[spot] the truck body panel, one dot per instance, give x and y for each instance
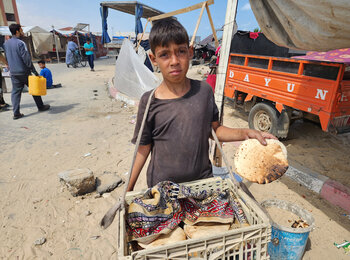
(310, 86)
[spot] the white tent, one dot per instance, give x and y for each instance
(4, 30)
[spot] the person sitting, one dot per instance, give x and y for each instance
(46, 73)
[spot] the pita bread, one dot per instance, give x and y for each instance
(259, 163)
(174, 236)
(202, 229)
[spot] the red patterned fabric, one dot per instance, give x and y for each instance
(165, 205)
(340, 55)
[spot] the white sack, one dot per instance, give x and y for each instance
(132, 77)
(312, 25)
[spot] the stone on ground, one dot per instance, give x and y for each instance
(78, 181)
(107, 182)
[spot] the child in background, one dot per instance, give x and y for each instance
(181, 115)
(46, 73)
(89, 51)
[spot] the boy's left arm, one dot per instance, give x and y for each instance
(226, 134)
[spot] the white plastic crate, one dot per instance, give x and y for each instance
(243, 243)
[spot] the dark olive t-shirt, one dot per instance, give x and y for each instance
(178, 131)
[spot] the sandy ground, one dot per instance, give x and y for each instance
(36, 148)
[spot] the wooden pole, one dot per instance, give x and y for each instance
(181, 11)
(212, 27)
(224, 56)
(54, 38)
(198, 22)
(78, 43)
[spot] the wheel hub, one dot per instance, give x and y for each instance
(262, 121)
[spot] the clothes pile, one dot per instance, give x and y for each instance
(170, 212)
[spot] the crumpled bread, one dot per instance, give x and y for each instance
(204, 229)
(176, 235)
(262, 164)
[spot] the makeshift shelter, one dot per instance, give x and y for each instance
(307, 25)
(131, 7)
(80, 38)
(39, 41)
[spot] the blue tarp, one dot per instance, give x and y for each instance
(104, 13)
(138, 15)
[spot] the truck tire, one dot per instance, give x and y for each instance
(263, 117)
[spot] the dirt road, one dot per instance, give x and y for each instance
(83, 119)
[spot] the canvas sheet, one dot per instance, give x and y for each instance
(310, 25)
(43, 42)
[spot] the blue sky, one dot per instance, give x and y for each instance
(64, 13)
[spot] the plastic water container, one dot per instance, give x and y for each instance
(288, 243)
(37, 85)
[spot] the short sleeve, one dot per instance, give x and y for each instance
(212, 105)
(146, 137)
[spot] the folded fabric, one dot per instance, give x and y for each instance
(164, 206)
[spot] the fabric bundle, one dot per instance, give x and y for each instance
(163, 207)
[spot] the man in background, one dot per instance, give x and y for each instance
(21, 66)
(71, 48)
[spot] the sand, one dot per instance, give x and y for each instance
(37, 147)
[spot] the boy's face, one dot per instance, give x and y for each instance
(41, 65)
(173, 61)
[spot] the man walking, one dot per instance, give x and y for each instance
(21, 66)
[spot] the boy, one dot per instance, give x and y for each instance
(89, 51)
(181, 115)
(46, 73)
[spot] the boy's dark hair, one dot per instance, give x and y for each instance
(41, 61)
(88, 39)
(166, 31)
(14, 28)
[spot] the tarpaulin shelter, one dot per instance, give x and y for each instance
(305, 24)
(80, 37)
(135, 8)
(39, 41)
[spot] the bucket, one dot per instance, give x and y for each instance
(288, 243)
(37, 85)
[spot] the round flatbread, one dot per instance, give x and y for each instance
(202, 229)
(259, 163)
(176, 235)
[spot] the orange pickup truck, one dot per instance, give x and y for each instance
(277, 91)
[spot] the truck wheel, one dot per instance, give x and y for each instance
(263, 117)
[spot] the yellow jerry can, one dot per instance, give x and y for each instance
(37, 85)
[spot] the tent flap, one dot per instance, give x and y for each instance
(138, 15)
(305, 24)
(104, 13)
